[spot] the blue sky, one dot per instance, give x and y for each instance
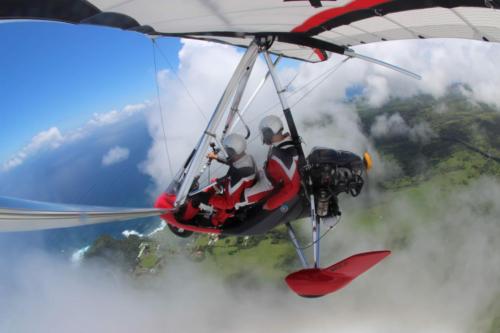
(55, 74)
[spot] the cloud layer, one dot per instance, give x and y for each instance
(49, 139)
(115, 155)
(441, 277)
(392, 126)
(440, 62)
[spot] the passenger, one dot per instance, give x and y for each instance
(281, 167)
(240, 176)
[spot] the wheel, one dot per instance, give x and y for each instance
(179, 232)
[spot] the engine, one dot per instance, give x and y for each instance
(334, 172)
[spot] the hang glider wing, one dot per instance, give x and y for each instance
(305, 29)
(26, 215)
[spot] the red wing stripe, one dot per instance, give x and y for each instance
(320, 53)
(331, 13)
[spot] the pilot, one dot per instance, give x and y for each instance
(240, 176)
(281, 167)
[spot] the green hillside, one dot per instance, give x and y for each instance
(463, 144)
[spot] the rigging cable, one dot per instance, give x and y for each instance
(161, 110)
(322, 76)
(472, 148)
(333, 70)
(198, 108)
(316, 241)
(297, 74)
(292, 80)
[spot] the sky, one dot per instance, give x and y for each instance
(58, 75)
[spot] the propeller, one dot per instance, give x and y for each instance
(367, 161)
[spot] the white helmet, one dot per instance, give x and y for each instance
(234, 144)
(270, 126)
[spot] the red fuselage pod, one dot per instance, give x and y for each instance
(167, 201)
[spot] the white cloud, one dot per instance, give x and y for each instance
(440, 62)
(133, 108)
(389, 126)
(12, 163)
(377, 90)
(394, 125)
(422, 133)
(107, 118)
(53, 138)
(438, 255)
(114, 116)
(115, 155)
(45, 140)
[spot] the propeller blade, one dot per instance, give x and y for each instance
(352, 54)
(367, 161)
(26, 215)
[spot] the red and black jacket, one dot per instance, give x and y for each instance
(240, 176)
(282, 169)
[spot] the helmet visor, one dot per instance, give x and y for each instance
(231, 153)
(267, 135)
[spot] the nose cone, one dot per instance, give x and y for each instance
(367, 160)
(165, 201)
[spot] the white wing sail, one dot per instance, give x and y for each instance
(338, 24)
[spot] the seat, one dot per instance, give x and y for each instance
(257, 192)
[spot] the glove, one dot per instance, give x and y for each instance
(212, 156)
(220, 181)
(219, 186)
